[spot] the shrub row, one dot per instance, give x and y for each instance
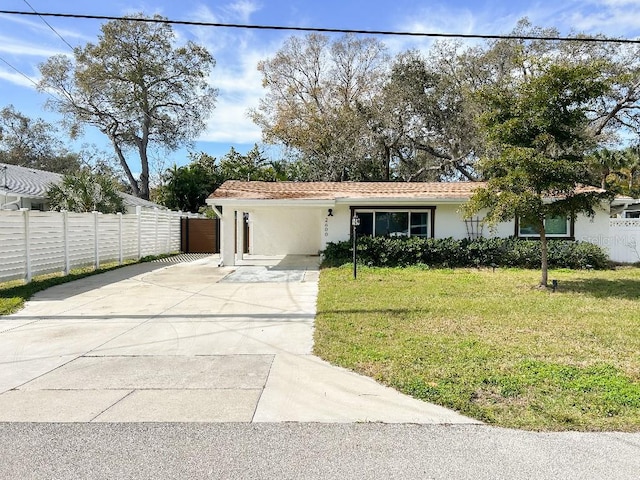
(448, 252)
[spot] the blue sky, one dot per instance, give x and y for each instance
(26, 42)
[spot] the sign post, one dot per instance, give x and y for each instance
(355, 221)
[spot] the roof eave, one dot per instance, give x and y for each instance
(306, 202)
(270, 202)
(375, 201)
(12, 193)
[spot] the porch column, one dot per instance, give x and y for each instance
(227, 240)
(240, 236)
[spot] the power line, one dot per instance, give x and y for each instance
(18, 71)
(48, 25)
(329, 30)
(28, 78)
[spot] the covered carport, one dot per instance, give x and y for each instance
(268, 227)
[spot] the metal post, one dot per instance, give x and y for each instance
(355, 221)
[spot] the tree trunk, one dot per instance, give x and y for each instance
(544, 279)
(125, 166)
(387, 163)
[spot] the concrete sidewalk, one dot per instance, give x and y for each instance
(190, 342)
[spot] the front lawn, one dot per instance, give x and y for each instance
(490, 344)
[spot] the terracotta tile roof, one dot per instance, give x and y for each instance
(241, 190)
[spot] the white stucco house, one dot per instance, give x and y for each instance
(284, 218)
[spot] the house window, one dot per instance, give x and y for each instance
(395, 223)
(560, 227)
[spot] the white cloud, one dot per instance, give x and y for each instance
(16, 79)
(38, 27)
(17, 47)
(240, 86)
(237, 54)
(243, 9)
(229, 123)
(611, 17)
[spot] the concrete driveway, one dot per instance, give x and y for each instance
(186, 342)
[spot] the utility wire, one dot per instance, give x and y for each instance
(328, 30)
(28, 78)
(18, 71)
(47, 24)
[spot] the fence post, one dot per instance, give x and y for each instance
(27, 245)
(65, 235)
(120, 256)
(156, 248)
(139, 215)
(169, 219)
(96, 243)
(179, 234)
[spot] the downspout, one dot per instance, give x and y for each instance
(17, 203)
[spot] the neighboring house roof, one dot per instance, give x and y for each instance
(241, 190)
(26, 182)
(133, 201)
(34, 183)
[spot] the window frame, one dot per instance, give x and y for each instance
(570, 235)
(430, 210)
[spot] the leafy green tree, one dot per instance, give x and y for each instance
(631, 170)
(186, 188)
(605, 164)
(85, 191)
(537, 168)
(252, 166)
(136, 88)
(33, 143)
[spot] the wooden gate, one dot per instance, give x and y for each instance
(199, 235)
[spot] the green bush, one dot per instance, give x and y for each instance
(449, 252)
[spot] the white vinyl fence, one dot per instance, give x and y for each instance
(623, 241)
(34, 243)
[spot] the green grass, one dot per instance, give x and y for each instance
(13, 294)
(490, 344)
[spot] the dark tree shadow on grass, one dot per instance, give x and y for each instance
(600, 288)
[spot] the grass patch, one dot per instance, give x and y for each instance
(13, 294)
(490, 344)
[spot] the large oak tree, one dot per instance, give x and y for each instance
(137, 88)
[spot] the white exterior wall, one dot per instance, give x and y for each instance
(16, 203)
(593, 230)
(306, 230)
(449, 222)
(336, 228)
(281, 230)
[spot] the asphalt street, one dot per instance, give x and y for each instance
(32, 451)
